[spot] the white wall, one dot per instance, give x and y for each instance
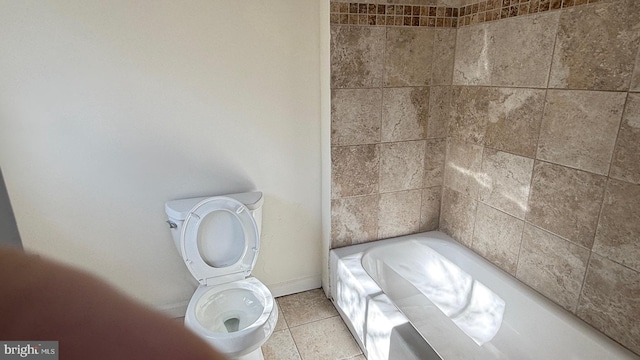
(110, 108)
(325, 131)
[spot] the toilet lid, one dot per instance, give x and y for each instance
(220, 241)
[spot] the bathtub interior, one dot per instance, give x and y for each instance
(531, 326)
(411, 270)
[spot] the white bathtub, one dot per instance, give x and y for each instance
(425, 296)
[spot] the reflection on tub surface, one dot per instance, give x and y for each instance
(470, 305)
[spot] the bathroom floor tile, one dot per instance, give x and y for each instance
(305, 307)
(282, 323)
(325, 339)
(280, 346)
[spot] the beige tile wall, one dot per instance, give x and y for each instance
(388, 115)
(523, 144)
(542, 174)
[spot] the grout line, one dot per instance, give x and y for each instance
(281, 311)
(315, 321)
(453, 65)
(601, 210)
(535, 154)
(295, 344)
(379, 144)
(553, 52)
(526, 212)
(615, 144)
(584, 280)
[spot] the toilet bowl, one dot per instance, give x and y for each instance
(219, 239)
(235, 318)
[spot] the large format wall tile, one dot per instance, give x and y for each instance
(497, 237)
(399, 213)
(408, 56)
(457, 216)
(566, 201)
(512, 52)
(610, 301)
(430, 209)
(443, 51)
(470, 113)
(401, 165)
(434, 162)
(440, 111)
(502, 118)
(355, 116)
(354, 170)
(579, 128)
(354, 220)
(405, 113)
(596, 46)
(514, 120)
(356, 56)
(508, 179)
(553, 266)
(618, 234)
(462, 168)
(625, 164)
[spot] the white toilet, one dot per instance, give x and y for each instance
(219, 238)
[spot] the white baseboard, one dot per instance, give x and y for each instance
(295, 286)
(280, 289)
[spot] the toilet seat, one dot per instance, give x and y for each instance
(232, 253)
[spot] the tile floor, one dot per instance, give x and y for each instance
(310, 328)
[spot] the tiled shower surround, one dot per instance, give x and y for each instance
(519, 137)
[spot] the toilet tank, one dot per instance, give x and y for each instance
(177, 210)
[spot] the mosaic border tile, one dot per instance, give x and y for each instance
(492, 10)
(393, 15)
(366, 14)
